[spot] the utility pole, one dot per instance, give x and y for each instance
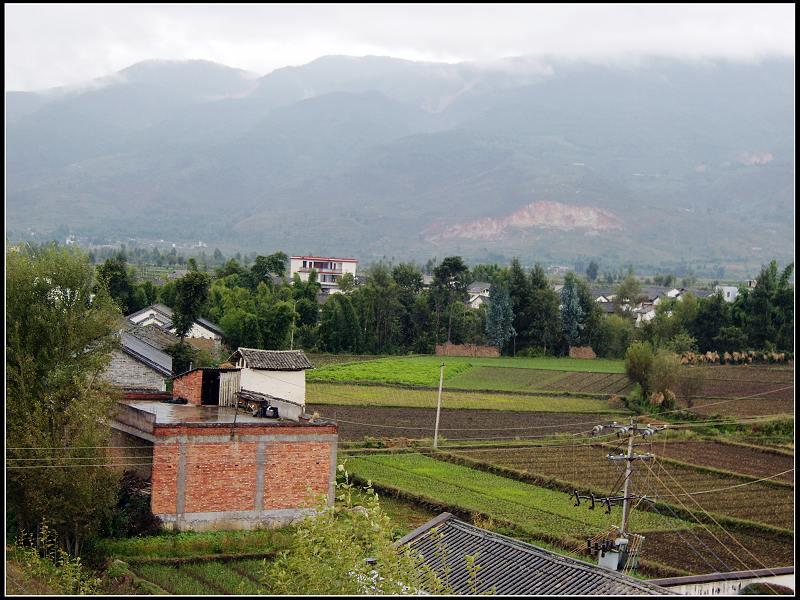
(619, 551)
(438, 408)
(628, 471)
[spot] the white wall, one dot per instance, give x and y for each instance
(290, 385)
(729, 587)
(198, 331)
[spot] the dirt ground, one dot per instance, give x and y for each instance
(355, 422)
(739, 459)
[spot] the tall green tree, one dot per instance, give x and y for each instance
(119, 282)
(59, 337)
(450, 280)
(542, 313)
(191, 297)
(639, 364)
(592, 270)
(500, 318)
(572, 315)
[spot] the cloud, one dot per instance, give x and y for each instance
(49, 45)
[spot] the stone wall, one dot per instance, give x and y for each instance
(267, 475)
(189, 386)
(473, 350)
(126, 372)
(582, 352)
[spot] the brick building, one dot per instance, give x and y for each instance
(213, 467)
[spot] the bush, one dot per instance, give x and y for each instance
(638, 364)
(132, 516)
(664, 373)
(682, 342)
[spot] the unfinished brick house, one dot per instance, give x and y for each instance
(213, 465)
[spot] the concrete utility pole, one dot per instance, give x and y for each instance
(628, 471)
(438, 408)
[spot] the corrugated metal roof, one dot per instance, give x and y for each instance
(273, 360)
(146, 354)
(508, 566)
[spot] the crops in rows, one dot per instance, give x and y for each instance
(373, 395)
(534, 509)
(754, 373)
(536, 380)
(205, 578)
(588, 468)
(709, 550)
(740, 459)
(742, 407)
(323, 360)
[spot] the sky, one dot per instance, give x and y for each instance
(49, 45)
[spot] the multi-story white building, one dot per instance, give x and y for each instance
(329, 270)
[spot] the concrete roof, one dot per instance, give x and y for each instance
(513, 567)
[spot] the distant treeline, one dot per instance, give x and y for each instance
(390, 311)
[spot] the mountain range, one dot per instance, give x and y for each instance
(662, 162)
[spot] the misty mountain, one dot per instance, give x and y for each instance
(376, 156)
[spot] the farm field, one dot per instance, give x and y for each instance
(204, 578)
(742, 407)
(729, 457)
(588, 468)
(711, 550)
(320, 360)
(539, 380)
(417, 423)
(424, 370)
(534, 509)
(373, 395)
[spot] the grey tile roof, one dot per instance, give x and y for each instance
(146, 354)
(273, 360)
(513, 567)
(153, 335)
(477, 286)
(209, 325)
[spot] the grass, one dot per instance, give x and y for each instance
(188, 544)
(174, 579)
(424, 370)
(225, 578)
(361, 395)
(535, 509)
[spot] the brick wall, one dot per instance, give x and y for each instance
(189, 386)
(125, 371)
(581, 352)
(474, 350)
(218, 474)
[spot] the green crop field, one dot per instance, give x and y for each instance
(372, 395)
(534, 509)
(424, 370)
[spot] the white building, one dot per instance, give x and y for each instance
(729, 292)
(161, 316)
(279, 374)
(328, 269)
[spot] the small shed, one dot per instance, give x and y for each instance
(277, 373)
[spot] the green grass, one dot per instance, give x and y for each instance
(371, 395)
(534, 509)
(187, 544)
(224, 577)
(424, 370)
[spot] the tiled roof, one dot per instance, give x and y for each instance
(153, 335)
(146, 354)
(508, 566)
(273, 360)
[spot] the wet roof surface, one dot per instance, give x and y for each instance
(167, 413)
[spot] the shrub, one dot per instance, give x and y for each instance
(638, 364)
(664, 373)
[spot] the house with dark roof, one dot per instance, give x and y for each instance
(509, 567)
(279, 374)
(138, 366)
(161, 316)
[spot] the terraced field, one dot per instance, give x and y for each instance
(588, 468)
(357, 422)
(535, 509)
(205, 578)
(537, 380)
(399, 397)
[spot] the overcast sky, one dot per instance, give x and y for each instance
(50, 45)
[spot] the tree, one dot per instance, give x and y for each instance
(572, 315)
(627, 292)
(541, 314)
(59, 337)
(638, 364)
(113, 273)
(500, 318)
(265, 266)
(614, 336)
(592, 270)
(664, 373)
(519, 291)
(347, 283)
(713, 313)
(191, 296)
(348, 549)
(450, 279)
